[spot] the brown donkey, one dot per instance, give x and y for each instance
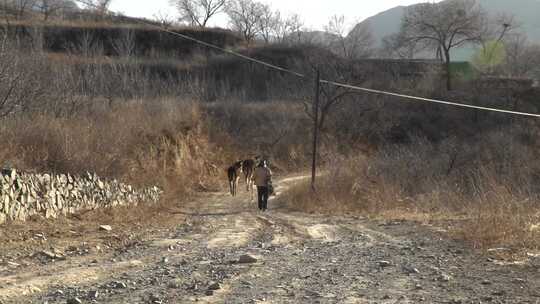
(248, 166)
(233, 173)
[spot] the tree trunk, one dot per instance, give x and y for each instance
(447, 68)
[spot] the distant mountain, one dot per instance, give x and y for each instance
(383, 24)
(525, 12)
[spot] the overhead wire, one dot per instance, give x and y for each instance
(436, 101)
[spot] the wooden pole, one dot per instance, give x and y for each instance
(315, 128)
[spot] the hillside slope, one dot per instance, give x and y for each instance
(383, 24)
(117, 39)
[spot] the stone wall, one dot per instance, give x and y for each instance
(23, 195)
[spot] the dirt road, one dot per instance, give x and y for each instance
(299, 259)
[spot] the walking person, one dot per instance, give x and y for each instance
(262, 178)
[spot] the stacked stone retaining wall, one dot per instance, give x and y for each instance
(23, 195)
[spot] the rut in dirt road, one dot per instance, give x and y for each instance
(298, 258)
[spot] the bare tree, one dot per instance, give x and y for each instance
(444, 26)
(65, 90)
(500, 27)
(280, 30)
(522, 57)
(125, 45)
(245, 17)
(493, 52)
(293, 28)
(100, 7)
(397, 47)
(331, 96)
(360, 42)
(516, 48)
(164, 19)
(336, 27)
(20, 85)
(87, 45)
(273, 27)
(198, 12)
(19, 8)
(49, 8)
(357, 44)
(269, 23)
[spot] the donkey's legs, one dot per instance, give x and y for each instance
(250, 189)
(236, 180)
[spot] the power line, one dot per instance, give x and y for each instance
(462, 105)
(343, 85)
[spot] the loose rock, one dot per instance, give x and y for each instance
(48, 254)
(93, 295)
(105, 228)
(214, 286)
(411, 270)
(247, 259)
(384, 264)
(74, 301)
(120, 285)
(445, 278)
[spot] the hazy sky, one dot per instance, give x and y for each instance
(315, 13)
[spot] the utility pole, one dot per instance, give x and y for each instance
(315, 128)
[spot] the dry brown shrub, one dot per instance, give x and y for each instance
(163, 142)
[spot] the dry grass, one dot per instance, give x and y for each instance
(502, 220)
(484, 205)
(135, 62)
(160, 142)
(70, 23)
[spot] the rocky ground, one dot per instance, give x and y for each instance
(219, 249)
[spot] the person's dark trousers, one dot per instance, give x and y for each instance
(262, 193)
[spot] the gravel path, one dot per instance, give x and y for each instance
(227, 252)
